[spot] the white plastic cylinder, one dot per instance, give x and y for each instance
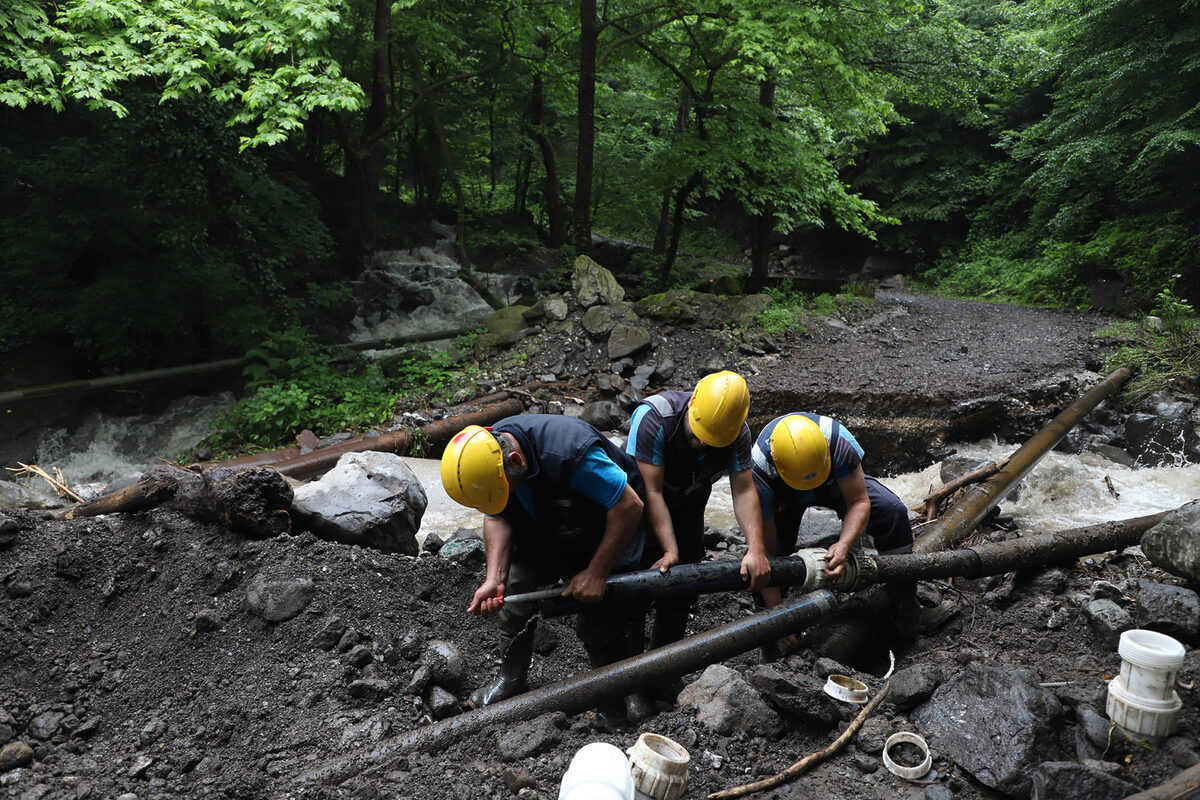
(598, 771)
(659, 766)
(1142, 698)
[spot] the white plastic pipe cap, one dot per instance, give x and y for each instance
(598, 771)
(659, 766)
(846, 689)
(1151, 649)
(899, 770)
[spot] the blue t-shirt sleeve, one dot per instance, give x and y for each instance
(739, 459)
(647, 436)
(766, 497)
(598, 478)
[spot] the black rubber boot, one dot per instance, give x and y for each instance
(516, 655)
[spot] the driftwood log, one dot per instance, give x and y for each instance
(252, 502)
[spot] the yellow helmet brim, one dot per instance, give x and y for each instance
(473, 470)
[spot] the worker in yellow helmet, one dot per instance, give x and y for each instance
(804, 460)
(684, 442)
(561, 502)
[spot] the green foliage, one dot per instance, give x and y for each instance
(1162, 359)
(296, 385)
(791, 310)
(267, 61)
(149, 241)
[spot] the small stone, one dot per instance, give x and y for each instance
(359, 656)
(140, 765)
(15, 754)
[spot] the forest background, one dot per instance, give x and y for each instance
(184, 179)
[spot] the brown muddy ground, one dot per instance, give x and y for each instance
(133, 666)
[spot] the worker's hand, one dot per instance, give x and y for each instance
(587, 587)
(488, 599)
(835, 559)
(665, 563)
(756, 569)
(788, 644)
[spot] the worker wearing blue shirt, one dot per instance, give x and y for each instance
(561, 502)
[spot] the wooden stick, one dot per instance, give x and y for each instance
(1184, 785)
(974, 476)
(59, 484)
(812, 758)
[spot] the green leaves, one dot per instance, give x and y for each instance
(270, 61)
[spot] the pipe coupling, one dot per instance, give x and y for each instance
(815, 578)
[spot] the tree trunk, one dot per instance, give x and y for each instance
(363, 161)
(761, 224)
(253, 501)
(664, 209)
(681, 198)
(585, 164)
(556, 223)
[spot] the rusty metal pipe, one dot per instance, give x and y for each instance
(584, 690)
(962, 517)
(291, 463)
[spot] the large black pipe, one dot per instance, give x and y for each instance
(682, 580)
(1021, 553)
(586, 689)
(970, 509)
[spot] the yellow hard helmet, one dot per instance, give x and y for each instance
(473, 470)
(718, 408)
(800, 452)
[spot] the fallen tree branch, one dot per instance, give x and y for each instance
(57, 482)
(811, 759)
(1184, 785)
(253, 501)
(976, 475)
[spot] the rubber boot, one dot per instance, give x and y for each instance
(670, 625)
(637, 705)
(513, 678)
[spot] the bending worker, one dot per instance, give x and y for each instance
(684, 442)
(561, 502)
(804, 460)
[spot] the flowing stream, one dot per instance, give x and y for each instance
(1062, 491)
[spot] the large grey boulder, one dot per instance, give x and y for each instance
(369, 499)
(727, 704)
(1173, 545)
(598, 321)
(1164, 435)
(594, 285)
(1070, 780)
(1172, 610)
(993, 722)
(626, 339)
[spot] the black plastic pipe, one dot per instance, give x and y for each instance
(1021, 553)
(585, 690)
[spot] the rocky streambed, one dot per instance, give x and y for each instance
(149, 655)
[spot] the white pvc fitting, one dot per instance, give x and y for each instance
(1142, 698)
(846, 689)
(1149, 663)
(659, 766)
(899, 770)
(598, 771)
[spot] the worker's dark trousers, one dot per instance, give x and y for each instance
(603, 628)
(686, 509)
(888, 525)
